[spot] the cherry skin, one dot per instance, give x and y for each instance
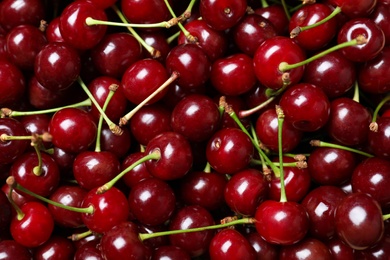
(276, 15)
(57, 73)
(321, 204)
(138, 173)
(245, 190)
(229, 150)
(354, 9)
(305, 106)
(157, 40)
(371, 176)
(379, 141)
(13, 85)
(196, 243)
(272, 52)
(116, 144)
(72, 129)
(378, 251)
(88, 250)
(233, 75)
(43, 98)
(52, 31)
(10, 150)
(169, 253)
(264, 250)
(176, 156)
(109, 209)
(331, 166)
(152, 201)
(359, 213)
(287, 222)
(74, 29)
(36, 226)
(380, 16)
(267, 131)
(59, 246)
(10, 249)
(222, 15)
(339, 250)
(230, 244)
(196, 117)
(309, 248)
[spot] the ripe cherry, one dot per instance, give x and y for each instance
(12, 149)
(13, 85)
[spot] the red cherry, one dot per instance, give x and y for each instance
(13, 86)
(10, 249)
(309, 247)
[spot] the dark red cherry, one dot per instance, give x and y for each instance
(245, 190)
(267, 132)
(57, 66)
(10, 150)
(378, 251)
(196, 243)
(231, 244)
(357, 214)
(138, 173)
(264, 250)
(72, 129)
(331, 166)
(89, 249)
(375, 39)
(213, 42)
(340, 250)
(103, 4)
(371, 176)
(354, 9)
(268, 57)
(233, 75)
(380, 16)
(176, 156)
(10, 249)
(276, 15)
(196, 117)
(222, 14)
(157, 40)
(24, 42)
(35, 227)
(116, 144)
(320, 204)
(142, 78)
(52, 31)
(13, 85)
(309, 248)
(229, 150)
(333, 73)
(109, 209)
(287, 222)
(169, 252)
(57, 245)
(305, 106)
(5, 212)
(74, 29)
(379, 141)
(115, 53)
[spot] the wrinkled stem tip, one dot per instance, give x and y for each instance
(315, 142)
(373, 126)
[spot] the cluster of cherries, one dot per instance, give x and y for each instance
(209, 129)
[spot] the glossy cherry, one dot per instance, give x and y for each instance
(117, 144)
(379, 141)
(380, 16)
(10, 150)
(264, 250)
(138, 173)
(276, 15)
(57, 245)
(10, 249)
(13, 84)
(340, 250)
(309, 248)
(354, 9)
(170, 252)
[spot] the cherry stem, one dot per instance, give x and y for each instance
(6, 112)
(264, 4)
(295, 32)
(37, 170)
(280, 115)
(246, 113)
(11, 181)
(77, 237)
(128, 116)
(374, 125)
(286, 11)
(284, 66)
(207, 168)
(318, 143)
(144, 236)
(165, 24)
(386, 217)
(153, 52)
(298, 164)
(356, 92)
(111, 93)
(154, 155)
(264, 166)
(113, 127)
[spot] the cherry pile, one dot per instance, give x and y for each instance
(209, 129)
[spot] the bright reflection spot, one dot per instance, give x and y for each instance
(229, 68)
(205, 35)
(145, 195)
(229, 146)
(271, 51)
(303, 254)
(48, 254)
(274, 123)
(67, 123)
(330, 157)
(54, 57)
(249, 29)
(225, 247)
(185, 58)
(280, 216)
(357, 215)
(320, 209)
(119, 242)
(147, 118)
(142, 74)
(343, 113)
(387, 132)
(326, 65)
(18, 5)
(18, 38)
(192, 110)
(300, 100)
(26, 223)
(103, 204)
(168, 151)
(200, 185)
(377, 178)
(72, 19)
(92, 163)
(187, 223)
(109, 48)
(242, 188)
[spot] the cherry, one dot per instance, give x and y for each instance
(196, 243)
(176, 156)
(75, 31)
(305, 106)
(371, 176)
(52, 31)
(245, 190)
(251, 31)
(339, 250)
(57, 66)
(119, 145)
(264, 250)
(24, 42)
(378, 141)
(267, 132)
(103, 4)
(272, 52)
(380, 16)
(152, 201)
(12, 149)
(379, 250)
(170, 253)
(68, 195)
(196, 117)
(18, 12)
(287, 222)
(309, 248)
(223, 14)
(333, 73)
(72, 129)
(138, 173)
(33, 226)
(89, 250)
(157, 40)
(115, 53)
(358, 213)
(233, 75)
(229, 150)
(374, 43)
(13, 85)
(355, 8)
(230, 244)
(57, 246)
(10, 249)
(276, 15)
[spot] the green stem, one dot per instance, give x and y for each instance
(263, 164)
(356, 92)
(90, 22)
(280, 114)
(264, 4)
(37, 170)
(379, 106)
(318, 143)
(289, 164)
(246, 113)
(144, 236)
(19, 213)
(207, 168)
(386, 217)
(286, 11)
(173, 37)
(77, 237)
